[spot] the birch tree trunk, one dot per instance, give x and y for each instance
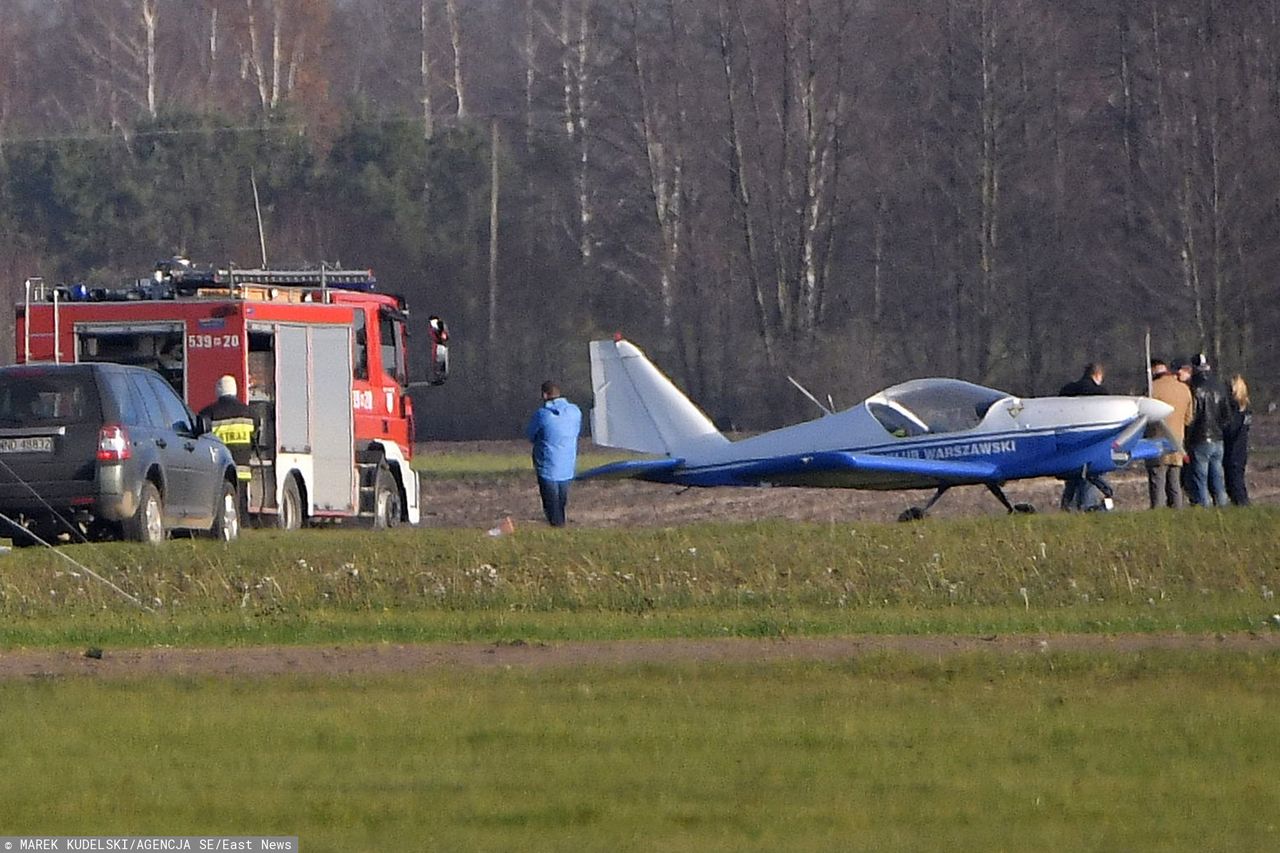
(1128, 120)
(1188, 253)
(493, 238)
(149, 10)
(277, 22)
(822, 129)
(424, 70)
(581, 91)
(665, 163)
(566, 67)
(455, 38)
(530, 57)
(254, 58)
(740, 187)
(990, 190)
(213, 50)
(116, 42)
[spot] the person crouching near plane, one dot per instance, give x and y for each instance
(553, 431)
(1076, 495)
(234, 425)
(1204, 434)
(1164, 474)
(1235, 442)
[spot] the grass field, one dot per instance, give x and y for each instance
(1196, 571)
(1131, 751)
(1062, 752)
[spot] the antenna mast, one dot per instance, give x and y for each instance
(257, 209)
(805, 391)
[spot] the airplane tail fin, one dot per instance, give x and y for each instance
(638, 408)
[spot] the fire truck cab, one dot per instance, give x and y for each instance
(320, 357)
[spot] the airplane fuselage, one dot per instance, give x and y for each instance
(1015, 439)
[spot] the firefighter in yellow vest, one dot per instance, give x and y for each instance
(234, 425)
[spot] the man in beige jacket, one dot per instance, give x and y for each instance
(1164, 475)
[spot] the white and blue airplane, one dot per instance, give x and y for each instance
(923, 434)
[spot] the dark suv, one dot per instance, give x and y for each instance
(104, 450)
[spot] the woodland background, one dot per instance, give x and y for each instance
(850, 192)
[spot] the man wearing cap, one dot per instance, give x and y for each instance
(1204, 433)
(234, 425)
(1164, 474)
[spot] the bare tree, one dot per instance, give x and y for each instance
(280, 47)
(117, 41)
(424, 70)
(455, 38)
(740, 180)
(664, 154)
(493, 235)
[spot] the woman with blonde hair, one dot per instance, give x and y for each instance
(1235, 442)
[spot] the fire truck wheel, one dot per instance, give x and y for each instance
(290, 515)
(226, 516)
(386, 501)
(147, 524)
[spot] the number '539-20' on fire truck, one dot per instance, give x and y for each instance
(320, 356)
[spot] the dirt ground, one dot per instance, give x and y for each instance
(483, 502)
(265, 661)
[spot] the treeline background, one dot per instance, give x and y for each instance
(850, 192)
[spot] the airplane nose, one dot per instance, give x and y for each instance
(1154, 410)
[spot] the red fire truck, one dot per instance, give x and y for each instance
(319, 355)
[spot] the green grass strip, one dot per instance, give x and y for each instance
(1061, 752)
(1194, 570)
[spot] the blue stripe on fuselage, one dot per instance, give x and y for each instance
(1016, 454)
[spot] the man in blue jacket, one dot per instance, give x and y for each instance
(553, 430)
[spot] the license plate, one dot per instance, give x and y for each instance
(35, 444)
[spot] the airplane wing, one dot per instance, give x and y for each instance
(638, 469)
(826, 468)
(855, 469)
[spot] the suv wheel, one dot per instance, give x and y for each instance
(23, 538)
(226, 516)
(147, 524)
(386, 501)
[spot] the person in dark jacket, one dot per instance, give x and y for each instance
(1077, 494)
(1182, 369)
(235, 426)
(1204, 435)
(1235, 442)
(1089, 384)
(553, 431)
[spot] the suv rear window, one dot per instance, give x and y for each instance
(53, 398)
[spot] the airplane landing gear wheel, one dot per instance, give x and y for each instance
(1025, 509)
(914, 513)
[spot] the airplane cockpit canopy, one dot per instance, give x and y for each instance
(924, 406)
